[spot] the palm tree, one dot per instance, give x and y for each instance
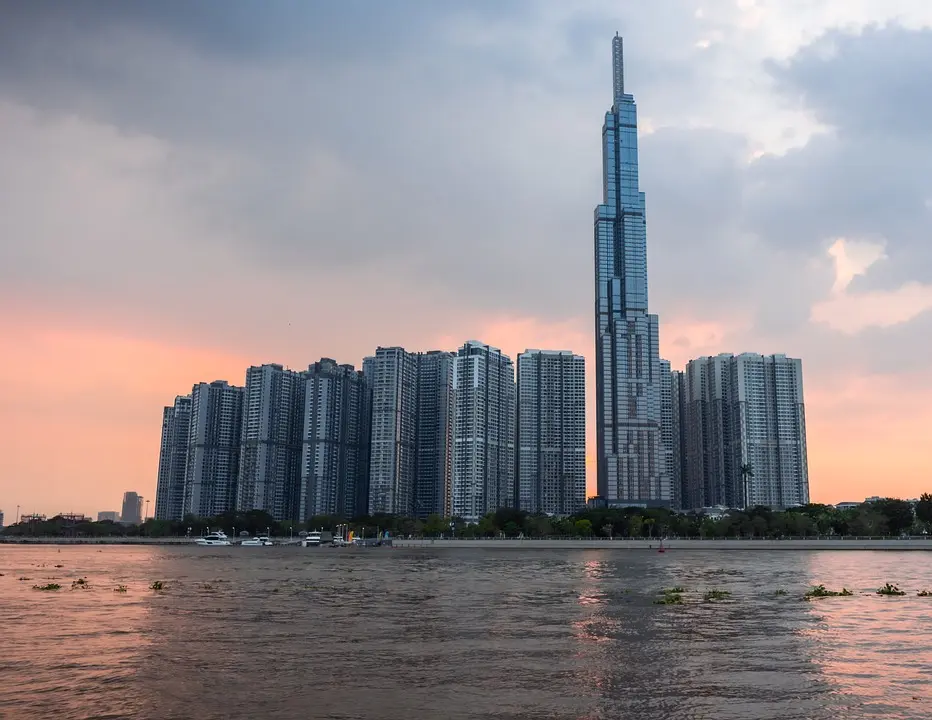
(747, 472)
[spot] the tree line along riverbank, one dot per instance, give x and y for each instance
(888, 517)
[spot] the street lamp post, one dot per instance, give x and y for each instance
(147, 512)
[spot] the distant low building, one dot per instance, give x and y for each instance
(847, 505)
(1, 519)
(73, 518)
(108, 516)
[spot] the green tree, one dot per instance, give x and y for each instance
(924, 509)
(584, 527)
(898, 513)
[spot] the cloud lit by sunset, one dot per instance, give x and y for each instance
(183, 196)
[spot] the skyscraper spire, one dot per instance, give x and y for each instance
(631, 469)
(618, 66)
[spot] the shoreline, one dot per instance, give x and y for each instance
(671, 544)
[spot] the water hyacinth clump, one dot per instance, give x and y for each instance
(924, 593)
(79, 584)
(120, 589)
(670, 597)
(49, 586)
(889, 589)
(819, 591)
(157, 585)
(780, 592)
(716, 595)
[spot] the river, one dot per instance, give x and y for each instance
(418, 634)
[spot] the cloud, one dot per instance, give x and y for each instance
(300, 180)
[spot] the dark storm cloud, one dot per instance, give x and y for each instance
(869, 176)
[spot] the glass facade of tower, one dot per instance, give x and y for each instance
(631, 467)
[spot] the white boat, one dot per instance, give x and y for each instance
(215, 538)
(258, 540)
(312, 539)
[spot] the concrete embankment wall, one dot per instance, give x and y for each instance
(673, 545)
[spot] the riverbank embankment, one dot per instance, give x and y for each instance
(675, 544)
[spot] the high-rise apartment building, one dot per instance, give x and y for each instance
(271, 441)
(551, 427)
(392, 375)
(631, 468)
(132, 508)
(483, 431)
(113, 515)
(335, 448)
(669, 430)
(746, 432)
(411, 446)
(213, 448)
(173, 457)
(433, 483)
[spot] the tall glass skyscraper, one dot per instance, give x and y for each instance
(631, 467)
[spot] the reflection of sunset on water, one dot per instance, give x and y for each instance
(874, 647)
(241, 633)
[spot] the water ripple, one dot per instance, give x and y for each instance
(505, 634)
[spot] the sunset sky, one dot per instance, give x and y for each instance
(188, 188)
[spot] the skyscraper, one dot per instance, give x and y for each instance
(483, 431)
(173, 456)
(746, 434)
(551, 425)
(335, 448)
(669, 431)
(631, 467)
(433, 484)
(392, 374)
(213, 448)
(272, 434)
(132, 508)
(411, 447)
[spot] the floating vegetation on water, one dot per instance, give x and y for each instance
(716, 595)
(780, 592)
(924, 593)
(889, 589)
(675, 590)
(49, 586)
(275, 590)
(25, 578)
(207, 586)
(80, 583)
(157, 585)
(819, 591)
(669, 598)
(120, 589)
(59, 566)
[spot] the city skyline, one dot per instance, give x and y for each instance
(149, 225)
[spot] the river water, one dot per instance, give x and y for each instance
(421, 634)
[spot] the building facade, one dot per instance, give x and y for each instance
(746, 432)
(173, 457)
(551, 432)
(411, 455)
(630, 463)
(111, 515)
(483, 431)
(132, 508)
(213, 448)
(269, 475)
(335, 447)
(392, 375)
(433, 482)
